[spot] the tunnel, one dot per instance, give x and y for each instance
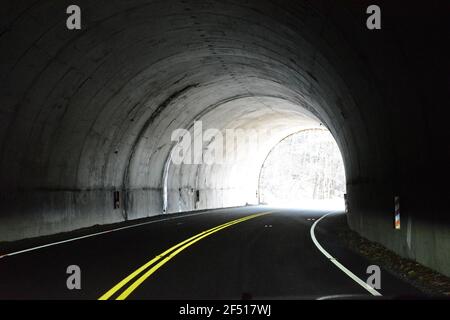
(87, 115)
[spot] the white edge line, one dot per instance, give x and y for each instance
(337, 263)
(97, 234)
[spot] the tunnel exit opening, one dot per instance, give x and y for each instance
(306, 170)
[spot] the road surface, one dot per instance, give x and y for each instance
(264, 253)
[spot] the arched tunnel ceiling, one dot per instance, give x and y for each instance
(85, 112)
(92, 96)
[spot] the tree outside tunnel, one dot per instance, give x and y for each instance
(304, 170)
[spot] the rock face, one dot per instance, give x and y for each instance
(304, 166)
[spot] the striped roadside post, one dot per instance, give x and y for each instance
(397, 212)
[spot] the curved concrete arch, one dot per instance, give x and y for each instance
(268, 117)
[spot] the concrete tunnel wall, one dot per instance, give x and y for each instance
(85, 113)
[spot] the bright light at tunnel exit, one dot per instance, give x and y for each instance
(304, 170)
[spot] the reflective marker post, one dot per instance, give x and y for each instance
(397, 212)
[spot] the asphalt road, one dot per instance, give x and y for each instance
(270, 256)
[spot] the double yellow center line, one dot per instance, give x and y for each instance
(157, 262)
